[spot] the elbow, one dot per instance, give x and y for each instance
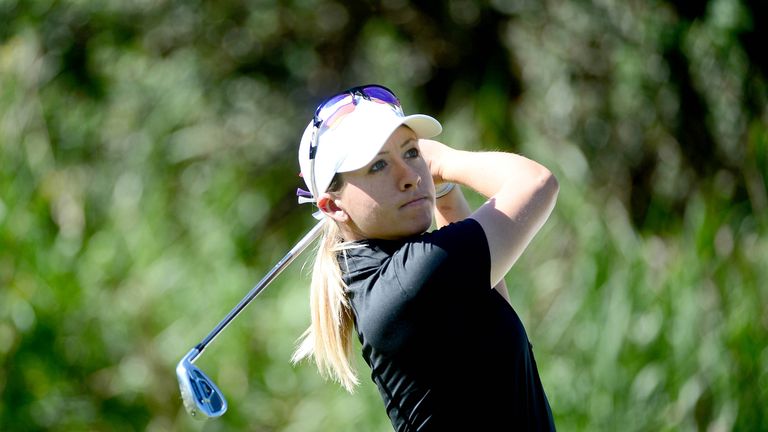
(544, 196)
(553, 186)
(549, 187)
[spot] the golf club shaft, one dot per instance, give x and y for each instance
(266, 280)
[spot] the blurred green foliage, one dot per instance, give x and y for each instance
(147, 170)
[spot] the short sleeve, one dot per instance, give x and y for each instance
(424, 280)
(455, 257)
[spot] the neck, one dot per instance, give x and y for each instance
(351, 232)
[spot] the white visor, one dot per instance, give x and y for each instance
(355, 139)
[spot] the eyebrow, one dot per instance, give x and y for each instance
(405, 143)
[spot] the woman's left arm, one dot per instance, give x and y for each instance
(453, 207)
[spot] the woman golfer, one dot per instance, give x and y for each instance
(446, 349)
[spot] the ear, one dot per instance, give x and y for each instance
(330, 207)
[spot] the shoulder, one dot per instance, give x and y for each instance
(455, 248)
(459, 246)
(462, 237)
(455, 231)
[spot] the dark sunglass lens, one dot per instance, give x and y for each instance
(328, 107)
(381, 94)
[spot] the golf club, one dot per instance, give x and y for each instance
(202, 398)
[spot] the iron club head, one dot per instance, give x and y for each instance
(201, 397)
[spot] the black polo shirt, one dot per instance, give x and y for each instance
(446, 350)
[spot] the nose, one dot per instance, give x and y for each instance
(407, 176)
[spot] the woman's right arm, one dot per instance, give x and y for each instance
(521, 192)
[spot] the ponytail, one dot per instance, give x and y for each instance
(328, 340)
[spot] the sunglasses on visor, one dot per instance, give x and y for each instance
(336, 107)
(333, 109)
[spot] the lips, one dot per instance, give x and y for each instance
(415, 201)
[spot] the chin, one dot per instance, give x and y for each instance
(409, 231)
(424, 227)
(399, 228)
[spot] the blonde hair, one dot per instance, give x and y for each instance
(328, 340)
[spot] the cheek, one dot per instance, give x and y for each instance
(358, 203)
(423, 171)
(427, 178)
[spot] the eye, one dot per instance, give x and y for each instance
(412, 152)
(378, 165)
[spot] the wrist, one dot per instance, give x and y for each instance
(444, 189)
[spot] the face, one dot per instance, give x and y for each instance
(390, 198)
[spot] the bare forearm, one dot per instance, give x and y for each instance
(451, 208)
(488, 172)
